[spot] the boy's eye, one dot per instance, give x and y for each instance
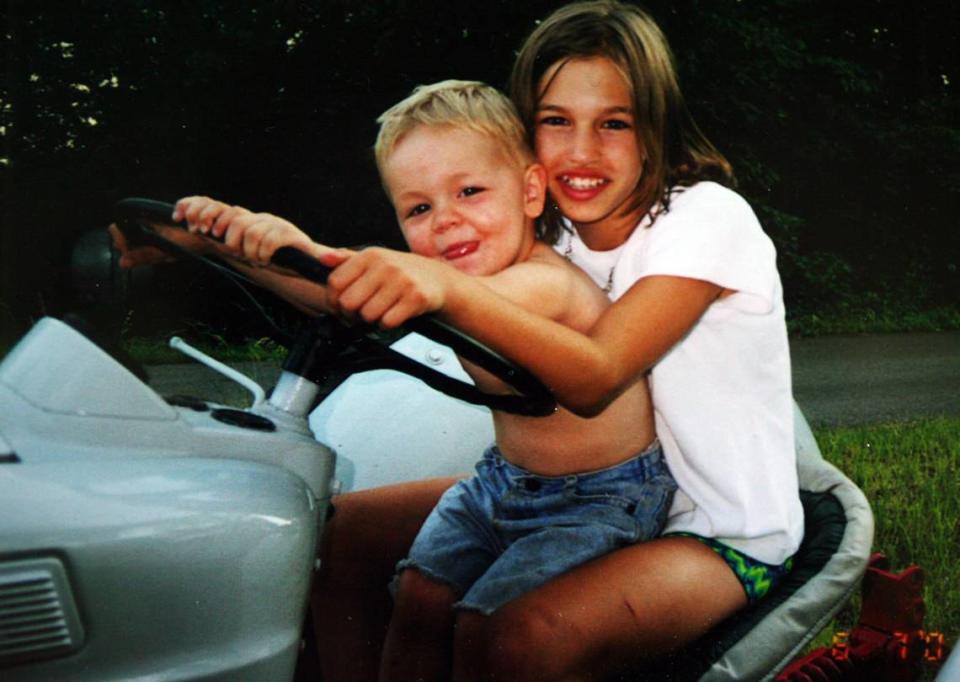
(470, 191)
(616, 124)
(418, 209)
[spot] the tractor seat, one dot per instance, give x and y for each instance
(758, 642)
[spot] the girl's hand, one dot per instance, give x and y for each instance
(252, 237)
(132, 257)
(386, 287)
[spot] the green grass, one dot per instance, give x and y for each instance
(150, 351)
(910, 473)
(155, 351)
(874, 320)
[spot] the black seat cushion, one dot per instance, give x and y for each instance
(824, 525)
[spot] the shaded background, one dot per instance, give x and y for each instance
(841, 120)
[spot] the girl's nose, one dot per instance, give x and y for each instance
(586, 144)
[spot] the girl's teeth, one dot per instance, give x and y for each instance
(584, 183)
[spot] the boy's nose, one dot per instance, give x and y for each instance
(444, 219)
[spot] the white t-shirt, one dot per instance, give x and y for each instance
(722, 395)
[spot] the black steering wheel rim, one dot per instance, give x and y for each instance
(135, 217)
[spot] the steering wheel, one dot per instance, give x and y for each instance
(139, 219)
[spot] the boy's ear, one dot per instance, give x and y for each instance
(534, 190)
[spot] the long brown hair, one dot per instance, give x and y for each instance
(676, 152)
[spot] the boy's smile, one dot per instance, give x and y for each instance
(460, 198)
(460, 249)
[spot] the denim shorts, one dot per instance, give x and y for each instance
(505, 531)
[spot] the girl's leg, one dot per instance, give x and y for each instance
(369, 533)
(419, 643)
(606, 616)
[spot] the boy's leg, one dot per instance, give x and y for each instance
(604, 617)
(369, 533)
(419, 643)
(454, 547)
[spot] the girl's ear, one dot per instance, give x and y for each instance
(534, 190)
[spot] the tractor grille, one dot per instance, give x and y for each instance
(38, 618)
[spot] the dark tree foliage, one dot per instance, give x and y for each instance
(841, 120)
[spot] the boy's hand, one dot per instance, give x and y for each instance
(385, 287)
(252, 237)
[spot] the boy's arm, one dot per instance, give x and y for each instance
(389, 287)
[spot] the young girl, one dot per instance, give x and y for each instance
(640, 203)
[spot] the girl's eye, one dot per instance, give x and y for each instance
(553, 121)
(616, 124)
(470, 191)
(417, 210)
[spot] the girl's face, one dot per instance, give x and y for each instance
(586, 138)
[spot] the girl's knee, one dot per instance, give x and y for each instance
(510, 644)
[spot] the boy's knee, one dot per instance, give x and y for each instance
(421, 598)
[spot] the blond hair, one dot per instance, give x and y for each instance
(469, 105)
(675, 152)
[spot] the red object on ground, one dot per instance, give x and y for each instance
(889, 643)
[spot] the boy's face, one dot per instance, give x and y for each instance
(460, 199)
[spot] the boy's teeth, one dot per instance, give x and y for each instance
(583, 183)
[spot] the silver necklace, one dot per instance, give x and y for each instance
(568, 255)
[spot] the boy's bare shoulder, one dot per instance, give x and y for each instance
(541, 253)
(548, 284)
(567, 270)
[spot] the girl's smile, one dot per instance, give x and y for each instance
(586, 138)
(582, 187)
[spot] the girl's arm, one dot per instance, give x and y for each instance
(585, 371)
(306, 296)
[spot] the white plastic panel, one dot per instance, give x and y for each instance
(387, 427)
(58, 369)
